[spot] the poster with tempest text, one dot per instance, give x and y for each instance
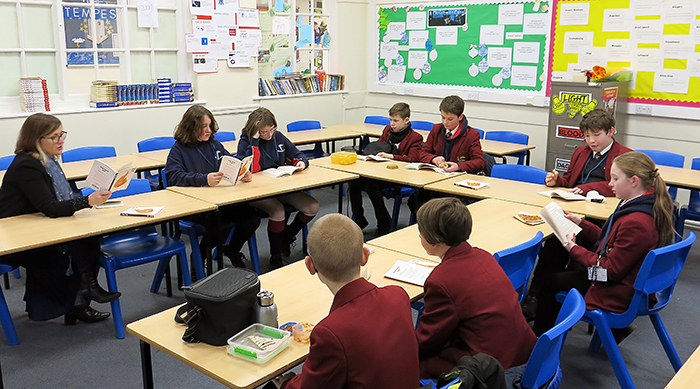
(475, 45)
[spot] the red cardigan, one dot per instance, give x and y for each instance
(630, 239)
(578, 161)
(409, 147)
(466, 151)
(470, 308)
(366, 341)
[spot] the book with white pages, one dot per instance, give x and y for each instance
(282, 171)
(429, 166)
(104, 177)
(142, 211)
(110, 204)
(233, 168)
(414, 271)
(553, 215)
(562, 194)
(374, 158)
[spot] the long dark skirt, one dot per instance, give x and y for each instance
(53, 275)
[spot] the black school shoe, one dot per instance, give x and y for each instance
(529, 307)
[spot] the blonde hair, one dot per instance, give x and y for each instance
(335, 247)
(640, 165)
(444, 220)
(33, 130)
(261, 117)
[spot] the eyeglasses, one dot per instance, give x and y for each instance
(265, 133)
(55, 138)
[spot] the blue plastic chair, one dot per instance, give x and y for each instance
(422, 125)
(195, 230)
(657, 276)
(665, 158)
(398, 195)
(481, 132)
(512, 137)
(692, 210)
(8, 326)
(225, 136)
(521, 173)
(381, 120)
(153, 144)
(89, 152)
(303, 125)
(135, 247)
(544, 364)
(6, 161)
(518, 261)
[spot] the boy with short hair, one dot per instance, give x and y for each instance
(471, 306)
(590, 165)
(406, 144)
(453, 144)
(367, 340)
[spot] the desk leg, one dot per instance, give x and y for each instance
(146, 366)
(527, 159)
(340, 197)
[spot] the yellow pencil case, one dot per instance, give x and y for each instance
(343, 158)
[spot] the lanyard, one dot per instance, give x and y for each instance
(605, 238)
(207, 159)
(602, 159)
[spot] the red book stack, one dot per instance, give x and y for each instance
(34, 94)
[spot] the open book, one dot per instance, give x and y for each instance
(428, 166)
(142, 211)
(553, 215)
(104, 177)
(233, 168)
(562, 194)
(413, 271)
(374, 158)
(282, 171)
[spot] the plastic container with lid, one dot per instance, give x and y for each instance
(241, 346)
(343, 158)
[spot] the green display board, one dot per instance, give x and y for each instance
(492, 46)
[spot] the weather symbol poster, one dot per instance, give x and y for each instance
(82, 34)
(477, 45)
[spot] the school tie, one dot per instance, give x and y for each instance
(596, 156)
(448, 134)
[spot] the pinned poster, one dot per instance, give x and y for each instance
(203, 27)
(203, 63)
(195, 43)
(306, 35)
(239, 59)
(147, 13)
(280, 25)
(202, 7)
(396, 73)
(249, 40)
(248, 18)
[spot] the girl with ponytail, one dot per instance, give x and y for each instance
(641, 222)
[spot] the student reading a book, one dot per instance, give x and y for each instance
(271, 149)
(588, 170)
(405, 144)
(367, 340)
(641, 222)
(194, 160)
(61, 279)
(471, 306)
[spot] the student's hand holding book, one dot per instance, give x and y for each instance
(571, 238)
(213, 179)
(247, 177)
(99, 197)
(385, 155)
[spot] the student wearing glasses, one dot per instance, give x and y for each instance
(271, 149)
(61, 279)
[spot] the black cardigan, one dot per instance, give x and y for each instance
(27, 188)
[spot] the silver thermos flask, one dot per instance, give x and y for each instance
(266, 310)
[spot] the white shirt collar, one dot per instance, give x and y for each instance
(605, 150)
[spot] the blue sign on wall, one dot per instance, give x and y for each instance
(79, 34)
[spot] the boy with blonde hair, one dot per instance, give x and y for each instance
(367, 339)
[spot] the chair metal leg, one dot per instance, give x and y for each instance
(146, 365)
(666, 341)
(395, 212)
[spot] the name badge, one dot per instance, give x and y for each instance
(597, 273)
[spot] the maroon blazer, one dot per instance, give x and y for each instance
(630, 239)
(578, 161)
(466, 151)
(366, 341)
(471, 307)
(409, 148)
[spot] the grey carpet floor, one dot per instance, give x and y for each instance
(51, 355)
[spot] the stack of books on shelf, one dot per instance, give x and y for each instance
(182, 92)
(34, 94)
(165, 90)
(296, 83)
(103, 94)
(137, 94)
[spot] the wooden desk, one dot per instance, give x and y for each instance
(378, 171)
(360, 128)
(688, 375)
(522, 192)
(679, 177)
(299, 297)
(493, 229)
(156, 155)
(24, 232)
(79, 170)
(264, 186)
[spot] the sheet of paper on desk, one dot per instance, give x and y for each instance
(413, 271)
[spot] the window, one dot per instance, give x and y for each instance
(100, 39)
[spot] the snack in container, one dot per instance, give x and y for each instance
(472, 184)
(302, 331)
(529, 218)
(258, 343)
